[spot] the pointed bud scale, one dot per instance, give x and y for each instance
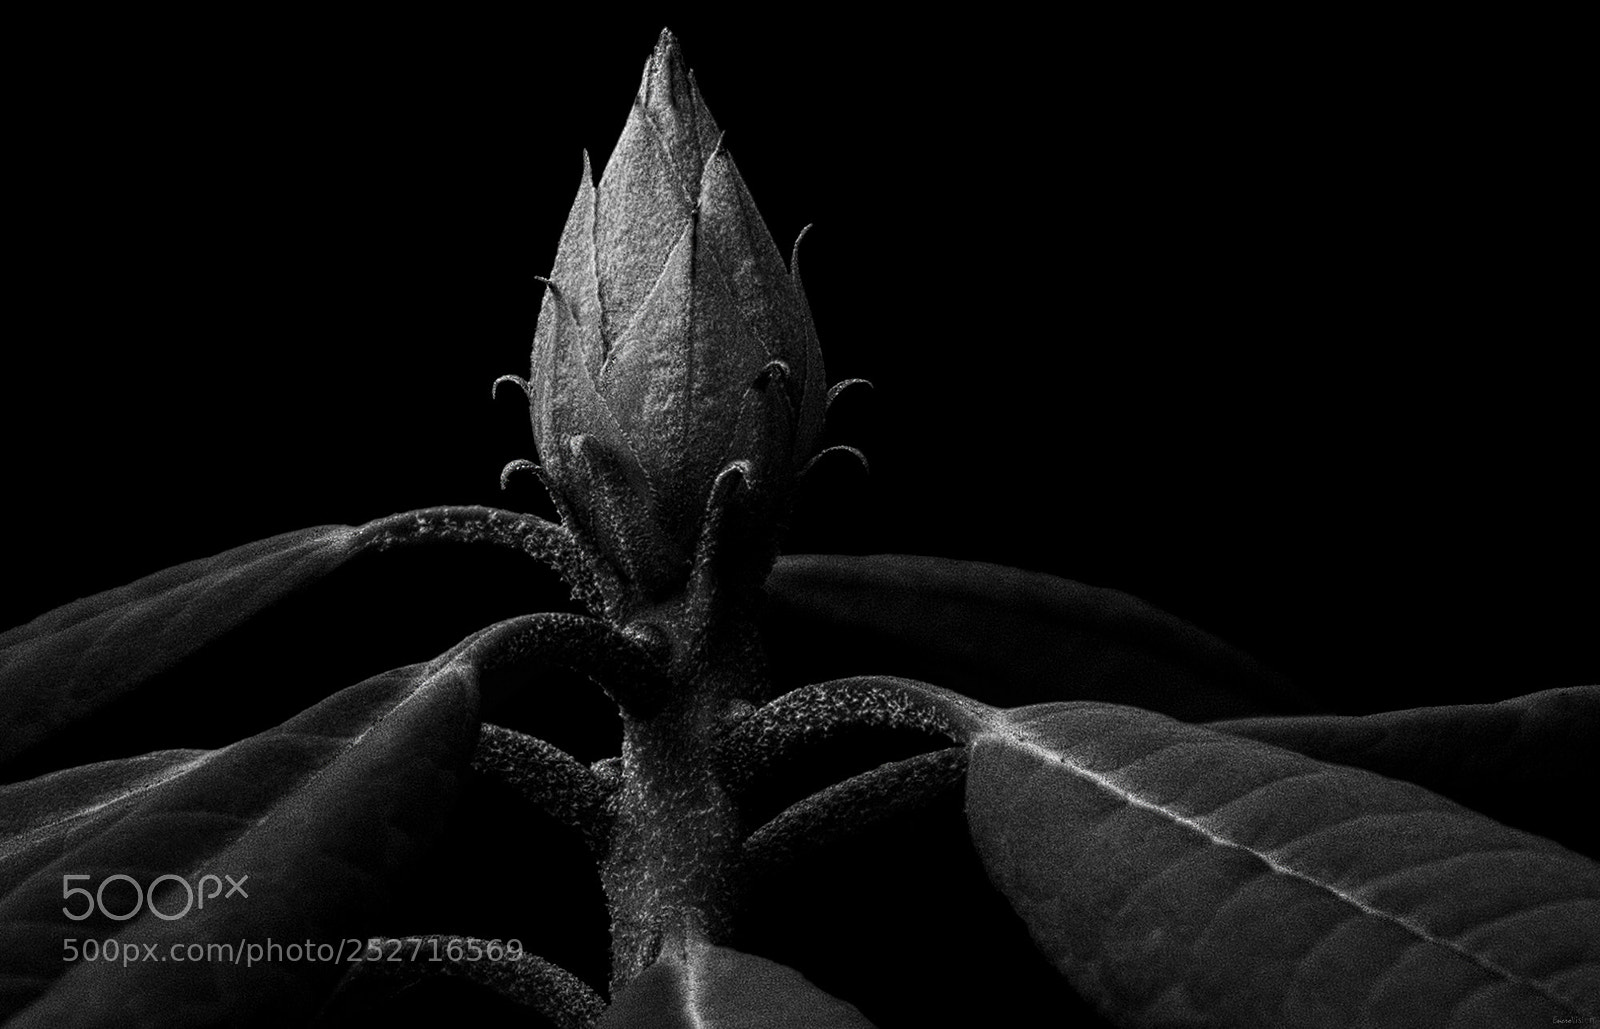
(672, 342)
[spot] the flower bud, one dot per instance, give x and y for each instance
(672, 345)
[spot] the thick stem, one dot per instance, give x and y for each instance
(673, 867)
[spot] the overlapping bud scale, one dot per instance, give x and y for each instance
(672, 341)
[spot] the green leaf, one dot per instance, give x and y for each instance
(314, 819)
(73, 661)
(698, 985)
(998, 633)
(1516, 761)
(1181, 876)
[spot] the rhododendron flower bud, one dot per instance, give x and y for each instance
(673, 344)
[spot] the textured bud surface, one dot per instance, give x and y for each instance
(672, 342)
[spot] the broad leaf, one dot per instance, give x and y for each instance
(71, 662)
(998, 633)
(1181, 876)
(697, 985)
(37, 816)
(1517, 761)
(313, 819)
(860, 870)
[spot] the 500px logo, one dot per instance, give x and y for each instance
(194, 896)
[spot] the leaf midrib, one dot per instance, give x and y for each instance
(691, 994)
(1027, 742)
(38, 833)
(344, 747)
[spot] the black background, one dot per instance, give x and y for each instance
(1274, 325)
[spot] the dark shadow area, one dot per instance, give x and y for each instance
(901, 921)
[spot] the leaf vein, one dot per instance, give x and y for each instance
(1029, 743)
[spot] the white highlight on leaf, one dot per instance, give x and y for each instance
(38, 833)
(691, 989)
(1000, 728)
